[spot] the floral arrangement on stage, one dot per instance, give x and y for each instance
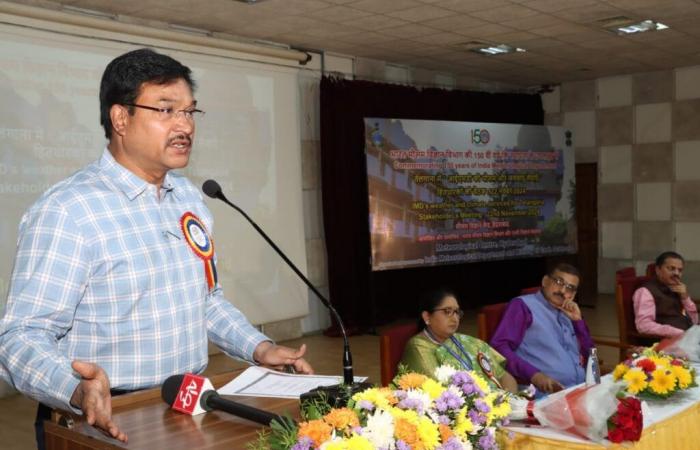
(456, 410)
(654, 375)
(592, 412)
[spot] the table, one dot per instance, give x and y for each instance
(152, 425)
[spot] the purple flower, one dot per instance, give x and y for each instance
(400, 394)
(470, 388)
(444, 420)
(460, 378)
(481, 406)
(476, 418)
(487, 441)
(304, 443)
(448, 400)
(365, 404)
(451, 444)
(401, 445)
(411, 403)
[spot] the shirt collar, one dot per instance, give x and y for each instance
(126, 181)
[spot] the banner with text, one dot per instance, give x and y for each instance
(454, 192)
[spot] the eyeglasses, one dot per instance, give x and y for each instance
(570, 288)
(171, 113)
(449, 312)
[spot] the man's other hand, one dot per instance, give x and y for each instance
(93, 398)
(277, 357)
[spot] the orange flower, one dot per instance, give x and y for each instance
(445, 432)
(342, 418)
(411, 381)
(407, 433)
(389, 394)
(316, 430)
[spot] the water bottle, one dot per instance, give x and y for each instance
(592, 368)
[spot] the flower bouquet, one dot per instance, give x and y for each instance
(686, 345)
(591, 412)
(457, 410)
(655, 375)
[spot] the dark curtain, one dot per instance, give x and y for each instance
(363, 298)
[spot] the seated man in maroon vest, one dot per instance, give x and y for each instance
(662, 305)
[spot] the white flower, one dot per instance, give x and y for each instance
(419, 396)
(380, 430)
(456, 391)
(444, 373)
(466, 445)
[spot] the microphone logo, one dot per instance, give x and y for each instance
(187, 399)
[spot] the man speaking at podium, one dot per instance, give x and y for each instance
(114, 285)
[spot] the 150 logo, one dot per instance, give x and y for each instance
(480, 136)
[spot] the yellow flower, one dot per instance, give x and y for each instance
(683, 375)
(342, 418)
(619, 371)
(432, 388)
(375, 396)
(428, 433)
(483, 384)
(411, 381)
(498, 411)
(463, 425)
(636, 380)
(409, 415)
(336, 445)
(662, 381)
(357, 442)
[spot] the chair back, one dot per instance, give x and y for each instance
(625, 308)
(530, 290)
(391, 344)
(651, 269)
(488, 318)
(625, 272)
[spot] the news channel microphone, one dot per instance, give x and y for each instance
(192, 394)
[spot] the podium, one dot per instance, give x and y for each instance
(151, 425)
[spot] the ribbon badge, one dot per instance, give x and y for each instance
(201, 244)
(485, 364)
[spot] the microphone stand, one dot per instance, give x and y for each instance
(335, 395)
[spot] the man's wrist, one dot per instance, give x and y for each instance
(260, 350)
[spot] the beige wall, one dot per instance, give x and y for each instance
(643, 130)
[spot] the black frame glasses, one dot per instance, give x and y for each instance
(450, 312)
(171, 113)
(561, 283)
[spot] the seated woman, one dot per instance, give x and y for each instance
(439, 343)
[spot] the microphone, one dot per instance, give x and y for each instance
(337, 395)
(193, 395)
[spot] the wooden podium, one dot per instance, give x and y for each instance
(151, 425)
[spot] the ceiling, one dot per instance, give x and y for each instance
(563, 38)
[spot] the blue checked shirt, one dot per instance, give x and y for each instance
(104, 274)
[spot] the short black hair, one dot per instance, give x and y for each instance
(124, 75)
(566, 268)
(431, 299)
(661, 259)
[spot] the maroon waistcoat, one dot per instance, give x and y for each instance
(669, 308)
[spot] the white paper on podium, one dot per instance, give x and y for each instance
(262, 382)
